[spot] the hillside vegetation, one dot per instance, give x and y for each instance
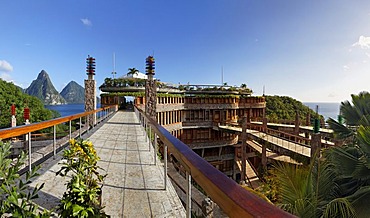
(284, 107)
(11, 94)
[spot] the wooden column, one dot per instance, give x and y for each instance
(244, 141)
(315, 145)
(296, 123)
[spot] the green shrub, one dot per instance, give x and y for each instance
(15, 200)
(83, 194)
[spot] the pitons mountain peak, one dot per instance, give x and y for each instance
(44, 89)
(43, 75)
(73, 93)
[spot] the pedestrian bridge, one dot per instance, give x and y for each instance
(137, 184)
(278, 141)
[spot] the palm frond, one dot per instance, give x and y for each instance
(293, 182)
(362, 172)
(349, 113)
(364, 139)
(360, 201)
(340, 131)
(322, 181)
(339, 207)
(342, 160)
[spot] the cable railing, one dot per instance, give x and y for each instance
(38, 151)
(234, 200)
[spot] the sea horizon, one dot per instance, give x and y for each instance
(68, 109)
(326, 109)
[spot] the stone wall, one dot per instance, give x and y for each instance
(90, 100)
(151, 98)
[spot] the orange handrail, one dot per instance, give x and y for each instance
(21, 130)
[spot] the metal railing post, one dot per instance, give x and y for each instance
(150, 135)
(188, 195)
(70, 129)
(80, 127)
(54, 141)
(155, 148)
(144, 126)
(165, 166)
(29, 152)
(87, 123)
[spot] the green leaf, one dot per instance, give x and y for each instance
(76, 209)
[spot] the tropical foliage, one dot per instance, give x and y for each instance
(310, 191)
(15, 200)
(352, 160)
(82, 198)
(337, 184)
(123, 82)
(11, 94)
(137, 82)
(129, 82)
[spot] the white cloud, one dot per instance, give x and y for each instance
(5, 66)
(345, 68)
(6, 77)
(86, 22)
(363, 42)
(332, 95)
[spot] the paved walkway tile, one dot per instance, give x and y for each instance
(134, 185)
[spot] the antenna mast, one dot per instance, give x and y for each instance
(222, 75)
(114, 65)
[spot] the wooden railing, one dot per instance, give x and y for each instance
(9, 134)
(289, 137)
(234, 200)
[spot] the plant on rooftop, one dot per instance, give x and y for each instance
(83, 194)
(132, 71)
(15, 200)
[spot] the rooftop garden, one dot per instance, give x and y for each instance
(140, 83)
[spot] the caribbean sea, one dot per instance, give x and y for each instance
(325, 109)
(68, 109)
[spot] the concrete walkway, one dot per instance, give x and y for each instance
(134, 186)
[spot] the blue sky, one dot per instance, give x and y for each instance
(315, 51)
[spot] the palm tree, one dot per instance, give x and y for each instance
(355, 114)
(310, 191)
(351, 162)
(132, 71)
(337, 184)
